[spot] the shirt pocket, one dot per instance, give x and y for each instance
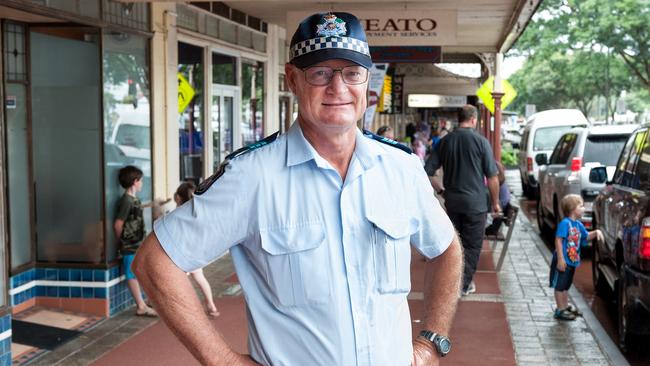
(297, 264)
(392, 253)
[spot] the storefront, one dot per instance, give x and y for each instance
(226, 58)
(76, 91)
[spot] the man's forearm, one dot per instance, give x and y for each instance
(177, 304)
(435, 183)
(442, 278)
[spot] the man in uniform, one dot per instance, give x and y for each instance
(318, 223)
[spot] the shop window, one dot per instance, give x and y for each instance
(252, 125)
(127, 122)
(190, 123)
(224, 69)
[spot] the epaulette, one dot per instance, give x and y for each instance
(387, 141)
(207, 183)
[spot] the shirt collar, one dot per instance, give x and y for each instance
(299, 150)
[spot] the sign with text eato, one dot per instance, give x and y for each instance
(398, 28)
(406, 54)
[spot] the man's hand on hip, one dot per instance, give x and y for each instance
(424, 354)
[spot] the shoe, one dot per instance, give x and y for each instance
(470, 289)
(148, 312)
(564, 315)
(574, 310)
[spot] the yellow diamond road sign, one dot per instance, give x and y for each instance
(485, 93)
(185, 93)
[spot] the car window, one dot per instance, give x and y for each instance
(634, 147)
(556, 151)
(133, 135)
(546, 138)
(622, 160)
(564, 148)
(604, 149)
(642, 174)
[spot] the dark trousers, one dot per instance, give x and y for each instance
(471, 228)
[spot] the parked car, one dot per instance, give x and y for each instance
(568, 168)
(621, 263)
(541, 133)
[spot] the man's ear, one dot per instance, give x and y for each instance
(291, 72)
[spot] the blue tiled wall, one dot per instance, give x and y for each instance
(5, 344)
(118, 294)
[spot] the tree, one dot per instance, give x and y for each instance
(622, 26)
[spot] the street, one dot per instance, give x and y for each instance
(604, 309)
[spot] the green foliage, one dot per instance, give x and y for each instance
(579, 49)
(508, 156)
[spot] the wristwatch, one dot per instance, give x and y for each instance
(440, 191)
(440, 342)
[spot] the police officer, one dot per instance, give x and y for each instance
(318, 223)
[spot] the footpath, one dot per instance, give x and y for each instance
(508, 321)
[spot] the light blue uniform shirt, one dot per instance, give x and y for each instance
(324, 264)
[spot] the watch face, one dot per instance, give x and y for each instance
(445, 346)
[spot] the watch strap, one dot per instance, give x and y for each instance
(435, 339)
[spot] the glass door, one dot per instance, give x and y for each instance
(225, 104)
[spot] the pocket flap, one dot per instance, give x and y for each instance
(396, 228)
(292, 239)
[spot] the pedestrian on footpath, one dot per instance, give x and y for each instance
(466, 160)
(318, 222)
(184, 193)
(386, 131)
(129, 229)
(569, 237)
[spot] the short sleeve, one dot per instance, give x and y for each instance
(489, 165)
(123, 208)
(436, 230)
(202, 229)
(562, 229)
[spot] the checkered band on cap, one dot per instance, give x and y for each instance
(320, 43)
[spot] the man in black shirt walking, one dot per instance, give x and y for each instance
(466, 160)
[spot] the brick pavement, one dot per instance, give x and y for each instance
(522, 305)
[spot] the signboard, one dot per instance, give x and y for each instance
(396, 28)
(485, 93)
(398, 89)
(385, 100)
(375, 84)
(10, 102)
(436, 101)
(414, 54)
(185, 93)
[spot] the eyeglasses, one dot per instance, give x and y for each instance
(322, 75)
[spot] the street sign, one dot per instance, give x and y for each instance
(185, 93)
(485, 93)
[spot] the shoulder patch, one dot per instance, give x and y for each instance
(387, 141)
(207, 183)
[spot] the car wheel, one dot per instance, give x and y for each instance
(624, 337)
(600, 285)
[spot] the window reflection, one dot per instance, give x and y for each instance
(190, 130)
(127, 121)
(252, 102)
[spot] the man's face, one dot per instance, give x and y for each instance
(336, 105)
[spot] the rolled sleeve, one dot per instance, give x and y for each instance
(202, 229)
(436, 230)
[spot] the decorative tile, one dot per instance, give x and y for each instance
(87, 292)
(51, 274)
(75, 275)
(75, 291)
(64, 274)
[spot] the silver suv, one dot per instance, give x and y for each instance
(568, 169)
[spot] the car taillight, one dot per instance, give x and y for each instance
(529, 164)
(644, 245)
(576, 164)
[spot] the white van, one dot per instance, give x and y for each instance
(541, 134)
